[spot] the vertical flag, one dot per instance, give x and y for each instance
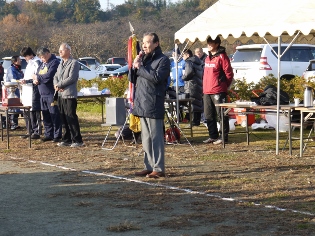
(133, 50)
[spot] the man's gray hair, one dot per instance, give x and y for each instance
(66, 46)
(42, 50)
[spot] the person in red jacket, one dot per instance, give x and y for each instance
(217, 78)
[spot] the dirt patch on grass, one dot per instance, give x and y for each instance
(240, 190)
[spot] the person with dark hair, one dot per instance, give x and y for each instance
(15, 73)
(217, 77)
(193, 84)
(149, 74)
(33, 63)
(44, 78)
(65, 82)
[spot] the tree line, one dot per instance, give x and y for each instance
(89, 30)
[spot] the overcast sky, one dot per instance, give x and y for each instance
(118, 2)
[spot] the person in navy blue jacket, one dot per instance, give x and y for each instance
(44, 79)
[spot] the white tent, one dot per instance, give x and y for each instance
(251, 19)
(256, 20)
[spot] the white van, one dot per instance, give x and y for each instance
(256, 61)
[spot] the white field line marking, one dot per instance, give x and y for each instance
(168, 187)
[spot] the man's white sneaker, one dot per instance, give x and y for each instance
(64, 144)
(217, 142)
(77, 145)
(210, 140)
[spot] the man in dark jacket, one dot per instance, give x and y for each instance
(193, 84)
(149, 73)
(44, 79)
(33, 63)
(217, 77)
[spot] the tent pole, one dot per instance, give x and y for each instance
(278, 95)
(177, 102)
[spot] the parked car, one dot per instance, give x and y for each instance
(118, 73)
(83, 62)
(256, 61)
(106, 69)
(309, 73)
(87, 73)
(7, 63)
(91, 62)
(117, 60)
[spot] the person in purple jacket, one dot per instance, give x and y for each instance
(44, 79)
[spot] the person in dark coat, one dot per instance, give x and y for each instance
(149, 74)
(193, 84)
(201, 55)
(44, 79)
(33, 63)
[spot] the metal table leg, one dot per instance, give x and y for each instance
(301, 135)
(222, 126)
(7, 124)
(290, 133)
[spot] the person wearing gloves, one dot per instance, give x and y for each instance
(193, 84)
(217, 78)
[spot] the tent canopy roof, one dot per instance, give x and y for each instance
(251, 20)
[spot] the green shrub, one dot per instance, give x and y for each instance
(117, 86)
(294, 87)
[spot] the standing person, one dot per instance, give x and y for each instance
(45, 81)
(193, 84)
(180, 70)
(201, 55)
(181, 82)
(149, 74)
(217, 77)
(1, 75)
(15, 73)
(65, 82)
(33, 63)
(1, 72)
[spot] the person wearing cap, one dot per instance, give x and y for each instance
(217, 78)
(180, 69)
